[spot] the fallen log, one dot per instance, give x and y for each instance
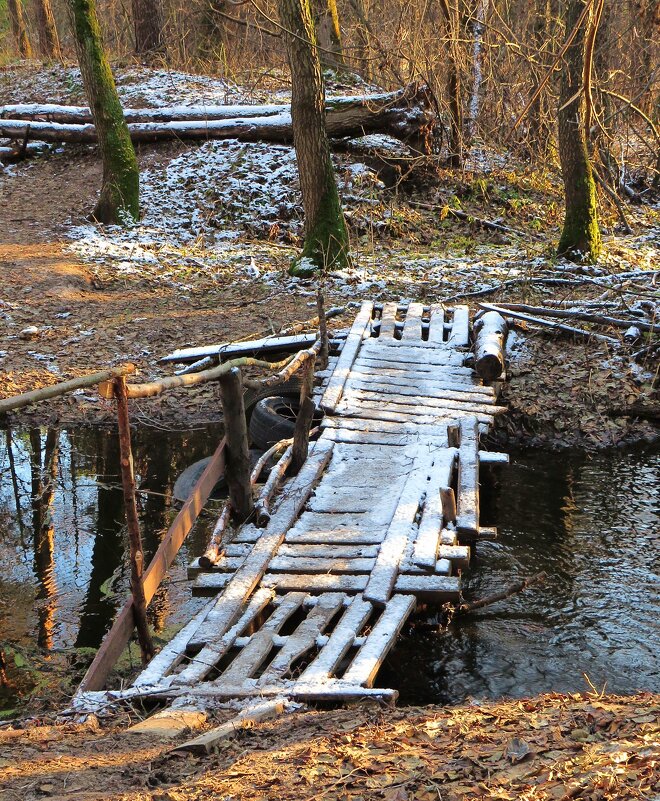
(491, 330)
(587, 317)
(405, 114)
(568, 329)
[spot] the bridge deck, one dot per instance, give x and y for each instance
(379, 518)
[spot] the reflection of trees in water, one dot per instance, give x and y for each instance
(44, 478)
(107, 556)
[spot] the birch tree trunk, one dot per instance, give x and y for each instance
(18, 28)
(478, 26)
(326, 237)
(119, 199)
(49, 43)
(580, 238)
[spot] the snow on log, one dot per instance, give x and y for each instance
(490, 336)
(404, 114)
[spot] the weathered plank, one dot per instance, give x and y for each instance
(437, 325)
(361, 437)
(434, 589)
(417, 412)
(382, 637)
(388, 364)
(328, 551)
(387, 321)
(460, 327)
(327, 564)
(248, 661)
(437, 391)
(467, 496)
(406, 353)
(336, 382)
(428, 535)
(339, 643)
(303, 639)
(412, 325)
(315, 583)
(218, 643)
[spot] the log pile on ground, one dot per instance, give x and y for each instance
(406, 114)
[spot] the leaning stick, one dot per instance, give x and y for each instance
(292, 366)
(512, 589)
(262, 506)
(574, 314)
(53, 391)
(548, 324)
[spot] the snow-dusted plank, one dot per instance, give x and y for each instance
(339, 643)
(493, 457)
(303, 639)
(410, 428)
(458, 555)
(467, 496)
(442, 567)
(388, 320)
(406, 417)
(412, 326)
(411, 353)
(417, 411)
(398, 534)
(335, 690)
(401, 439)
(207, 584)
(382, 637)
(359, 384)
(434, 589)
(437, 324)
(292, 582)
(172, 653)
(307, 564)
(460, 327)
(345, 502)
(216, 646)
(390, 365)
(328, 551)
(367, 535)
(354, 339)
(328, 524)
(428, 535)
(261, 642)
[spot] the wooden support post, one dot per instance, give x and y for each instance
(238, 457)
(323, 329)
(132, 522)
(448, 501)
(303, 421)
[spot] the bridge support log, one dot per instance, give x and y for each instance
(491, 330)
(238, 456)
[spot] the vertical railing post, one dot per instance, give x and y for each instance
(237, 470)
(132, 522)
(304, 420)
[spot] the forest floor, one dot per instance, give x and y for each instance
(549, 748)
(221, 223)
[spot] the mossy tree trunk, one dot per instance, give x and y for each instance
(328, 33)
(148, 27)
(580, 238)
(119, 200)
(18, 28)
(49, 43)
(326, 237)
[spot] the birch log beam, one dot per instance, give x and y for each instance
(490, 330)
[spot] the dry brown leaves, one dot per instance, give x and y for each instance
(602, 748)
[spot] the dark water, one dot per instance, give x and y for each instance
(591, 523)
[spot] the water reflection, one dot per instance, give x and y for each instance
(63, 571)
(592, 525)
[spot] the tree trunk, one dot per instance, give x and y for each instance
(328, 33)
(580, 238)
(453, 87)
(148, 27)
(478, 27)
(49, 43)
(326, 238)
(18, 28)
(119, 200)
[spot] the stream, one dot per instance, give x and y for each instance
(589, 521)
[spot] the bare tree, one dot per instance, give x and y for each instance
(580, 237)
(148, 27)
(49, 43)
(18, 28)
(119, 200)
(326, 237)
(453, 86)
(328, 33)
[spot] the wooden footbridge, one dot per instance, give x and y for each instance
(379, 519)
